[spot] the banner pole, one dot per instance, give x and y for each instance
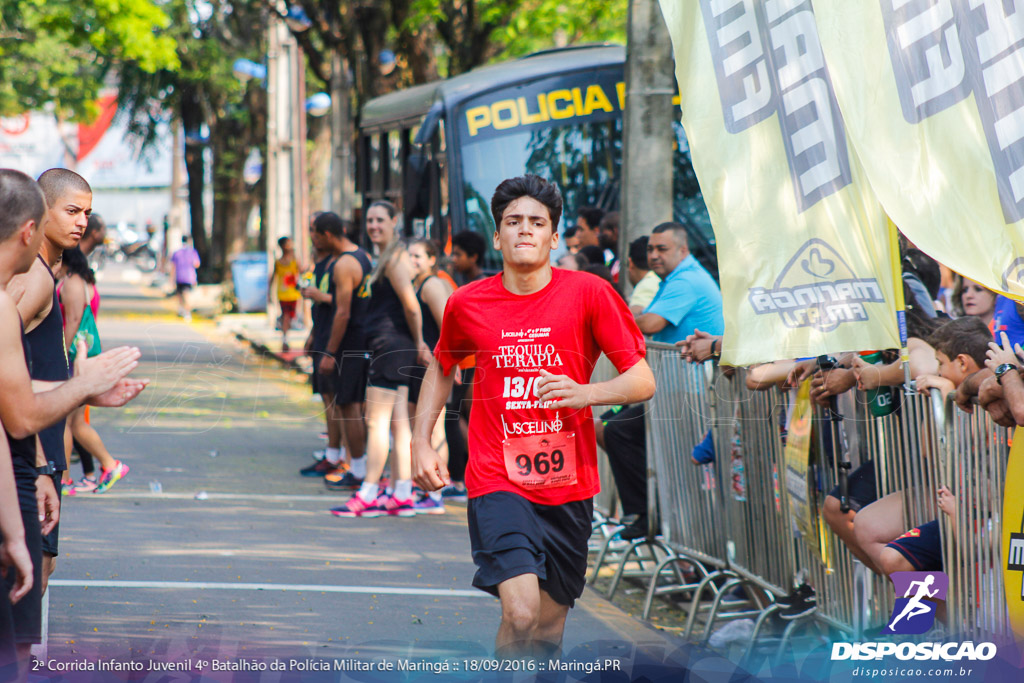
(900, 303)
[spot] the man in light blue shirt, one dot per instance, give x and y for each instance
(688, 297)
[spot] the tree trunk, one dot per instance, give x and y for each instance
(195, 168)
(232, 201)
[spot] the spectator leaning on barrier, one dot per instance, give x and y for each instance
(688, 298)
(571, 240)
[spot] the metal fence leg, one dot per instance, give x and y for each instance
(633, 547)
(614, 536)
(652, 588)
(691, 618)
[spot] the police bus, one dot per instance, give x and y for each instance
(438, 150)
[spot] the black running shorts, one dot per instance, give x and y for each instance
(511, 536)
(860, 487)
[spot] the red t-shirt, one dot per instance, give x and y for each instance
(563, 328)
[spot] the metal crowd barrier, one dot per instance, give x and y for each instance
(976, 467)
(729, 522)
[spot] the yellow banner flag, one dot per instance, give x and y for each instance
(932, 92)
(802, 245)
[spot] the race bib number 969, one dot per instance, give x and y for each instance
(541, 461)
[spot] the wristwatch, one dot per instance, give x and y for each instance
(715, 354)
(1003, 369)
(46, 470)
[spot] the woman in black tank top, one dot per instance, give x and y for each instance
(395, 334)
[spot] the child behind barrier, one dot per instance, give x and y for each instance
(960, 347)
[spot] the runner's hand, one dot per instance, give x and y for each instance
(104, 371)
(423, 354)
(14, 557)
(120, 394)
(327, 364)
(48, 502)
(428, 468)
(562, 391)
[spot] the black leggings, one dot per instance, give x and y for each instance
(88, 466)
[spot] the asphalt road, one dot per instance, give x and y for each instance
(213, 550)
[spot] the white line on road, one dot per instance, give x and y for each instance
(285, 587)
(214, 496)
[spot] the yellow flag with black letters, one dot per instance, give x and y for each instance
(803, 250)
(932, 92)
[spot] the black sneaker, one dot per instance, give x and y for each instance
(637, 529)
(799, 603)
(318, 469)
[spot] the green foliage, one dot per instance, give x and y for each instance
(60, 51)
(542, 24)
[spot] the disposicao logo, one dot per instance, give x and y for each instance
(914, 612)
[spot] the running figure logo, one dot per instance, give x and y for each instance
(914, 613)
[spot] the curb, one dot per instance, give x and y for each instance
(267, 352)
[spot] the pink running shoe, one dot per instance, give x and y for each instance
(357, 507)
(399, 508)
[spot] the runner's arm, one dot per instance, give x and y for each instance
(633, 386)
(13, 552)
(435, 293)
(72, 295)
(346, 274)
(429, 470)
(400, 275)
(25, 412)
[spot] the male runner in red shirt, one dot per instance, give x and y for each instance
(537, 333)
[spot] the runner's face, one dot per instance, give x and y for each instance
(380, 228)
(526, 236)
(67, 219)
(422, 262)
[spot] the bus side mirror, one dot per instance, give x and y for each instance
(416, 192)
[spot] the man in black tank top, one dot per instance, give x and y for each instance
(346, 360)
(23, 411)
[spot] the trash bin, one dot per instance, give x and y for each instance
(249, 272)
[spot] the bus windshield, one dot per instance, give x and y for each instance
(584, 159)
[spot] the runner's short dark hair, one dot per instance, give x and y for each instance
(471, 242)
(592, 215)
(331, 223)
(638, 252)
(58, 182)
(968, 334)
(21, 200)
(527, 186)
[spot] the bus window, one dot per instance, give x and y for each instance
(376, 167)
(394, 161)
